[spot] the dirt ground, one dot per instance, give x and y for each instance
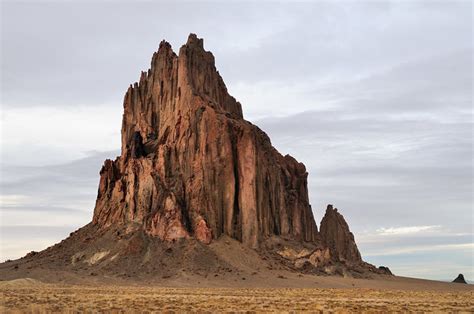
(29, 295)
(88, 273)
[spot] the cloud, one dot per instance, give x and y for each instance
(16, 241)
(428, 266)
(39, 136)
(64, 184)
(12, 200)
(47, 201)
(405, 230)
(467, 247)
(94, 54)
(375, 98)
(432, 252)
(379, 169)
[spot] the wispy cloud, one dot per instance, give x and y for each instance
(12, 200)
(441, 248)
(64, 134)
(405, 230)
(16, 241)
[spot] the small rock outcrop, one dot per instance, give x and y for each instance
(335, 235)
(385, 270)
(460, 279)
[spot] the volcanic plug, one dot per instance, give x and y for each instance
(196, 191)
(191, 166)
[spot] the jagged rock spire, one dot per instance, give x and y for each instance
(336, 235)
(191, 166)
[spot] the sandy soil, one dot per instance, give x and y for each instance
(28, 295)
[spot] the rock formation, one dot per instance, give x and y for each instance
(335, 235)
(197, 191)
(191, 166)
(385, 270)
(460, 279)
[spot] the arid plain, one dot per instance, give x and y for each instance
(399, 295)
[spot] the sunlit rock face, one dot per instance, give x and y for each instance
(191, 166)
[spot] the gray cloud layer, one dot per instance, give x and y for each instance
(375, 98)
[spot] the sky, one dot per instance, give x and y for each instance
(375, 98)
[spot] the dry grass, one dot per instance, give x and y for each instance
(34, 297)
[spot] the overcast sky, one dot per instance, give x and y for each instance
(375, 98)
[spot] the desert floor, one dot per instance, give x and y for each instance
(29, 295)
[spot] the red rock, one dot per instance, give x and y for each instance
(335, 235)
(191, 166)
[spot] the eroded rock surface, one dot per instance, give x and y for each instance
(191, 166)
(335, 235)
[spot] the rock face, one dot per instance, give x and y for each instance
(335, 235)
(191, 166)
(460, 279)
